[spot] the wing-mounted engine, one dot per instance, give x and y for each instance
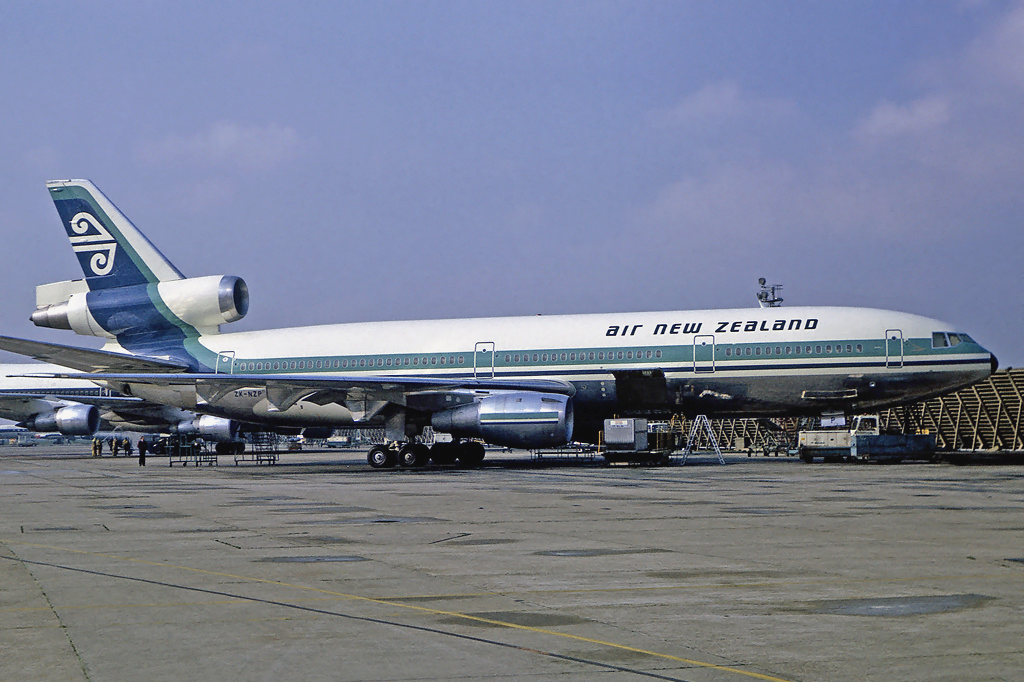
(203, 303)
(70, 420)
(523, 419)
(217, 429)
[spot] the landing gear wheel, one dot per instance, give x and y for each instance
(413, 455)
(381, 457)
(444, 453)
(471, 454)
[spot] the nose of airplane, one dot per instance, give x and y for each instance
(995, 362)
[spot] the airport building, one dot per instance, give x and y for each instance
(985, 417)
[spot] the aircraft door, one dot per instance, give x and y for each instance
(483, 360)
(704, 354)
(225, 362)
(893, 348)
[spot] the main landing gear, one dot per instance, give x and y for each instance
(409, 455)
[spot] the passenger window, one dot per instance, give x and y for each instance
(619, 355)
(849, 348)
(807, 349)
(657, 354)
(828, 348)
(746, 351)
(817, 349)
(629, 355)
(778, 350)
(433, 360)
(572, 357)
(508, 358)
(462, 360)
(860, 348)
(768, 350)
(600, 355)
(728, 352)
(757, 351)
(406, 362)
(798, 350)
(416, 361)
(388, 362)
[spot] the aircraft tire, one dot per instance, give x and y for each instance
(381, 457)
(444, 454)
(413, 455)
(471, 454)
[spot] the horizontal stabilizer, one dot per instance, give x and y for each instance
(87, 359)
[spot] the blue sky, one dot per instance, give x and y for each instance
(365, 161)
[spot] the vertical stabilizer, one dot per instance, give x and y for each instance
(110, 249)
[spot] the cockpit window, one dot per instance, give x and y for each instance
(939, 340)
(954, 339)
(967, 339)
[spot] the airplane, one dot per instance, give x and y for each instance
(78, 407)
(527, 382)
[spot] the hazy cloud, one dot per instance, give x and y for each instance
(722, 102)
(227, 144)
(888, 119)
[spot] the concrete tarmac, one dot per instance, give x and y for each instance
(319, 568)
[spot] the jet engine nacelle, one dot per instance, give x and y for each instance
(520, 420)
(203, 302)
(71, 420)
(217, 429)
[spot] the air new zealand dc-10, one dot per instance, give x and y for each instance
(526, 382)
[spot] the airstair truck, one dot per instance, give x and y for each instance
(863, 442)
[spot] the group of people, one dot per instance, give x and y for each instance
(120, 446)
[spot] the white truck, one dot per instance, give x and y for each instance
(863, 442)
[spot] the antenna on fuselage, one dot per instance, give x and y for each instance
(768, 296)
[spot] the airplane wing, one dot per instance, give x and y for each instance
(364, 396)
(87, 359)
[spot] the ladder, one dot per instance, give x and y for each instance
(693, 440)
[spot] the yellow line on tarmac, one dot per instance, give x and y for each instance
(420, 609)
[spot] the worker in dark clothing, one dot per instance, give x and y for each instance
(143, 446)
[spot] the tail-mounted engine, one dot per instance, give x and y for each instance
(520, 420)
(72, 420)
(201, 302)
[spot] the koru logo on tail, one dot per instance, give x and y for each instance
(90, 236)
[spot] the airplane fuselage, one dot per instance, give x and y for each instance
(735, 362)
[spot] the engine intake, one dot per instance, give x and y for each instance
(72, 420)
(521, 420)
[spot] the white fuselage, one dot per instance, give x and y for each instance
(768, 361)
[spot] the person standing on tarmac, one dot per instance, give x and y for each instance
(142, 452)
(97, 447)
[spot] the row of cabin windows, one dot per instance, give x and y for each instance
(797, 350)
(361, 362)
(582, 355)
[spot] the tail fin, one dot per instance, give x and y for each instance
(110, 249)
